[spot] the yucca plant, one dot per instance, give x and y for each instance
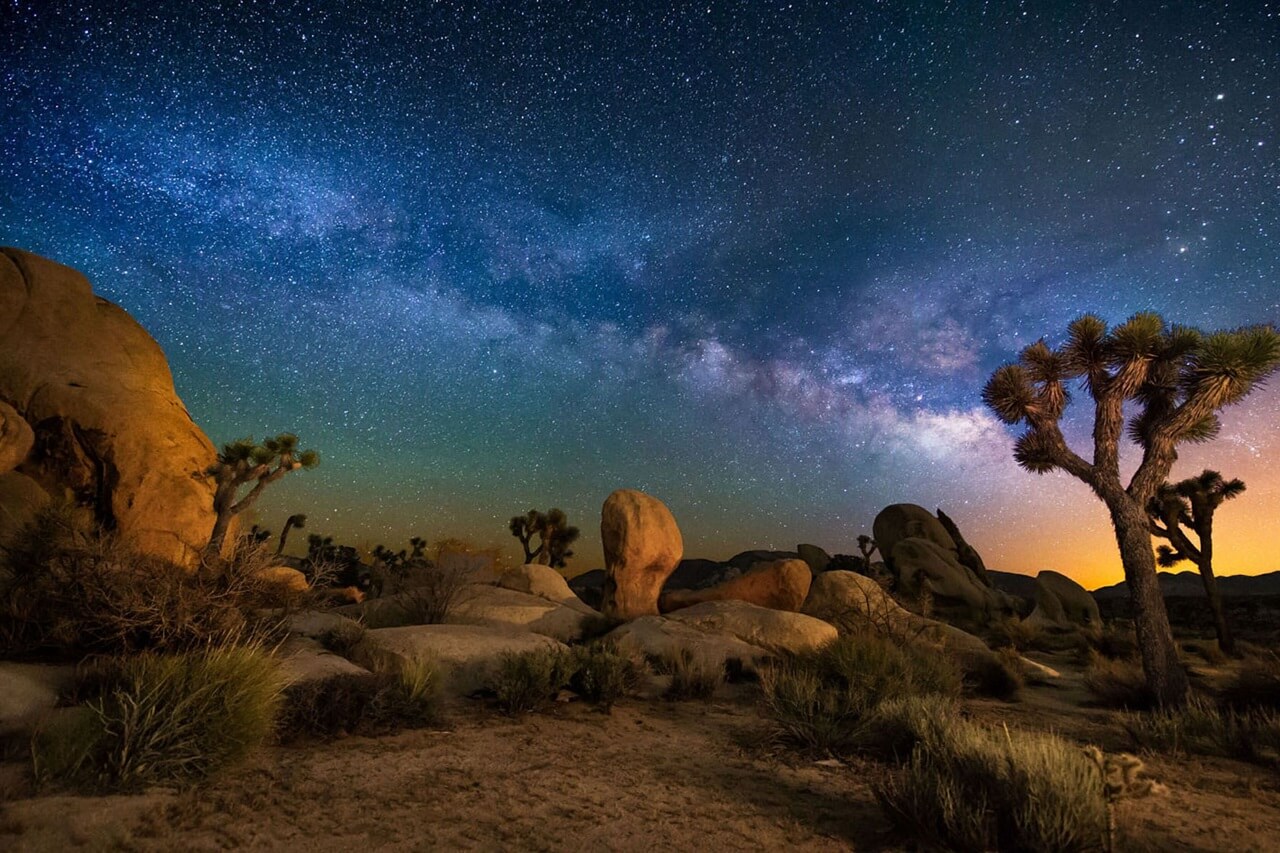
(1192, 504)
(1176, 379)
(243, 462)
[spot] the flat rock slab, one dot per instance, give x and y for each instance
(317, 623)
(468, 654)
(774, 631)
(493, 605)
(303, 660)
(660, 637)
(28, 691)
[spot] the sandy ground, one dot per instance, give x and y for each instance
(651, 775)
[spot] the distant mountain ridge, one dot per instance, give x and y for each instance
(1189, 584)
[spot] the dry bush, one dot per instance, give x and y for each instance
(1015, 633)
(382, 702)
(692, 677)
(342, 638)
(1208, 650)
(997, 676)
(1115, 642)
(1117, 683)
(602, 674)
(432, 590)
(163, 719)
(67, 588)
(1256, 684)
(527, 681)
(969, 788)
(823, 700)
(1202, 728)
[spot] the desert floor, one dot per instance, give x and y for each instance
(650, 775)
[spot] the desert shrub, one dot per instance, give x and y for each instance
(1202, 728)
(1256, 684)
(602, 674)
(692, 677)
(342, 638)
(1114, 642)
(68, 589)
(1015, 633)
(173, 718)
(1117, 683)
(1208, 650)
(894, 726)
(997, 676)
(823, 700)
(405, 696)
(975, 789)
(432, 590)
(526, 681)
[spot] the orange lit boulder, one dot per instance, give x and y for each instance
(96, 392)
(642, 546)
(779, 585)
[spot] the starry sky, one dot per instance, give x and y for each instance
(756, 258)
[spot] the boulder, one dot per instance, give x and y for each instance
(775, 631)
(642, 545)
(817, 558)
(780, 585)
(304, 660)
(744, 560)
(20, 499)
(97, 393)
(589, 586)
(16, 438)
(28, 692)
(1063, 605)
(467, 654)
(897, 522)
(281, 580)
(544, 582)
(660, 637)
(317, 623)
(698, 573)
(492, 605)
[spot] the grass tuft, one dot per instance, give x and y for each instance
(691, 676)
(1202, 728)
(1117, 683)
(603, 674)
(527, 681)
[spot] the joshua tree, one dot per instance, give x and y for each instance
(554, 533)
(299, 521)
(1191, 504)
(1176, 379)
(866, 547)
(243, 462)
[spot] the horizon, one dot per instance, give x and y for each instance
(755, 262)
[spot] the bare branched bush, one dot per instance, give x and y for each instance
(432, 590)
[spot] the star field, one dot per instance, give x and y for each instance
(755, 258)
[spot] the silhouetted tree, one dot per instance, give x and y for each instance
(1191, 504)
(245, 462)
(866, 547)
(554, 533)
(299, 521)
(1176, 379)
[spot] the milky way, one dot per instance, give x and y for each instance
(754, 258)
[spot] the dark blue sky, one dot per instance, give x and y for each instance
(756, 258)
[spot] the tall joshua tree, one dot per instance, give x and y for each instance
(554, 533)
(247, 463)
(299, 521)
(1191, 504)
(1176, 379)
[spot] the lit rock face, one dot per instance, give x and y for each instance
(923, 554)
(642, 546)
(778, 585)
(775, 631)
(16, 438)
(1064, 605)
(107, 426)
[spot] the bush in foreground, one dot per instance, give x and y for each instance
(969, 788)
(1117, 683)
(527, 681)
(164, 719)
(602, 674)
(406, 696)
(691, 676)
(1201, 728)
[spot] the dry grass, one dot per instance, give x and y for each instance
(692, 677)
(382, 702)
(1202, 728)
(1256, 684)
(602, 674)
(527, 681)
(1117, 683)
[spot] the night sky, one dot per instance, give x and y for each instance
(754, 258)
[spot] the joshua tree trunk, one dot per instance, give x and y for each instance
(1166, 677)
(1226, 642)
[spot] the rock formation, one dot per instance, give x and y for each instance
(817, 558)
(774, 631)
(778, 585)
(1064, 605)
(642, 545)
(107, 426)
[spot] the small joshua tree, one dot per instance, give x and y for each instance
(247, 463)
(1177, 379)
(299, 521)
(554, 533)
(1191, 504)
(866, 547)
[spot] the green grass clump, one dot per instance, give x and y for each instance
(164, 719)
(970, 788)
(1202, 728)
(691, 676)
(824, 700)
(602, 674)
(527, 681)
(404, 696)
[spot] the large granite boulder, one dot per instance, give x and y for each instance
(467, 654)
(779, 585)
(642, 545)
(21, 498)
(97, 394)
(568, 621)
(29, 691)
(775, 631)
(1064, 605)
(542, 581)
(662, 638)
(817, 558)
(302, 660)
(922, 554)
